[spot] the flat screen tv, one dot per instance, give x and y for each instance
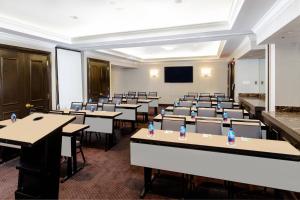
(182, 74)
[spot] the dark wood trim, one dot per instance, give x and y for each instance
(88, 73)
(39, 52)
(219, 149)
(23, 49)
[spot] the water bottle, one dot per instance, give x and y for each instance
(162, 112)
(13, 117)
(151, 128)
(182, 131)
(92, 108)
(77, 108)
(225, 116)
(193, 114)
(57, 107)
(219, 106)
(90, 100)
(231, 137)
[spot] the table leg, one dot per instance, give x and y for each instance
(74, 153)
(155, 111)
(147, 181)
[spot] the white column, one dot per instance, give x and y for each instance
(270, 78)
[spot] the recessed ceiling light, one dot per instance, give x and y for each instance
(73, 17)
(178, 1)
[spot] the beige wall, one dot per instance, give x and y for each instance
(139, 79)
(287, 64)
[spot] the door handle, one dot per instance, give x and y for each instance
(28, 106)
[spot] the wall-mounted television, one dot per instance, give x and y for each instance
(182, 74)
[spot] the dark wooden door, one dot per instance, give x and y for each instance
(98, 78)
(24, 79)
(12, 88)
(38, 94)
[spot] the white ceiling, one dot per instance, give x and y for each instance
(137, 29)
(75, 18)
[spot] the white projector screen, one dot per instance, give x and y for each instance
(69, 75)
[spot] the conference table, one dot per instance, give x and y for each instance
(154, 101)
(39, 137)
(191, 123)
(100, 122)
(169, 110)
(248, 161)
(68, 145)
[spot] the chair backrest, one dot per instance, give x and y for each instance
(221, 98)
(131, 94)
(58, 112)
(89, 106)
(217, 94)
(186, 111)
(207, 112)
(142, 94)
(204, 95)
(110, 107)
(103, 100)
(204, 104)
(75, 105)
(204, 98)
(185, 103)
(132, 100)
(172, 123)
(80, 117)
(116, 100)
(234, 113)
(142, 97)
(153, 94)
(189, 98)
(209, 126)
(226, 104)
(193, 94)
(246, 128)
(118, 95)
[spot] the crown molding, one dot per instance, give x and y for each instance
(236, 8)
(29, 30)
(280, 14)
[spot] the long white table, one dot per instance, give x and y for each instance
(100, 122)
(249, 161)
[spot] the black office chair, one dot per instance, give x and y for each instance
(76, 105)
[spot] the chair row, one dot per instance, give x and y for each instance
(209, 112)
(204, 104)
(110, 107)
(134, 94)
(242, 128)
(205, 98)
(196, 94)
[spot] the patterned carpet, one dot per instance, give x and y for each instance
(109, 175)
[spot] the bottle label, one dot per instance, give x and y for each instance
(231, 139)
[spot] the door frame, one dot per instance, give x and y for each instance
(35, 51)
